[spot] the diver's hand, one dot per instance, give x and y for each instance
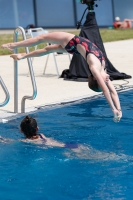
(117, 115)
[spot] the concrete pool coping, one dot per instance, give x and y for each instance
(8, 116)
(4, 118)
(54, 90)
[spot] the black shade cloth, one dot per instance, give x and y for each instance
(78, 69)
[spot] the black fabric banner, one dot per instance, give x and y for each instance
(78, 69)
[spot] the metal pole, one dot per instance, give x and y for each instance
(15, 9)
(19, 28)
(46, 64)
(35, 12)
(15, 76)
(6, 92)
(75, 11)
(113, 10)
(31, 75)
(56, 65)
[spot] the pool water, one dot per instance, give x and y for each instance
(103, 169)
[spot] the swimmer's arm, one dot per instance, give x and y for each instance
(39, 52)
(114, 96)
(103, 86)
(28, 141)
(53, 143)
(23, 140)
(5, 140)
(107, 94)
(117, 111)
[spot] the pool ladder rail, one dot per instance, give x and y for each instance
(33, 96)
(6, 93)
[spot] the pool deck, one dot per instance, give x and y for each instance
(50, 88)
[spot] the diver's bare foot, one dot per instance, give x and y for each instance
(8, 46)
(18, 56)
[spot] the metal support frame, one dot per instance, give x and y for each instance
(16, 32)
(6, 93)
(33, 32)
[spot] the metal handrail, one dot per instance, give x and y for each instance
(6, 93)
(19, 28)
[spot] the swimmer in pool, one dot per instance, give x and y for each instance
(29, 128)
(98, 80)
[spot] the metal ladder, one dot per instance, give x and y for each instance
(6, 93)
(16, 32)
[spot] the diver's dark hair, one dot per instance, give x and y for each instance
(93, 84)
(28, 126)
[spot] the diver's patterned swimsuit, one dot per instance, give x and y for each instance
(90, 47)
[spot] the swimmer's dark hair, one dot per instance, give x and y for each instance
(29, 126)
(93, 84)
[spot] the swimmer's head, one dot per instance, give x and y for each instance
(93, 84)
(29, 127)
(117, 19)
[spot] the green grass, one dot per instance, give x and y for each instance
(108, 35)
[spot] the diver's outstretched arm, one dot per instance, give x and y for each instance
(112, 98)
(25, 43)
